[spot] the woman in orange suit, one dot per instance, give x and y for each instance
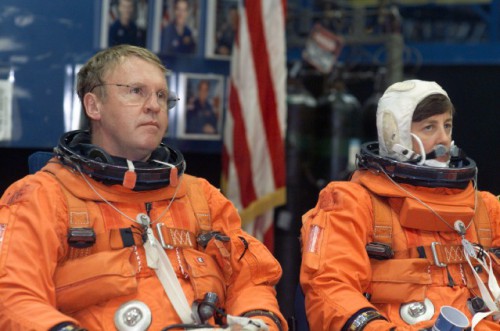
(409, 233)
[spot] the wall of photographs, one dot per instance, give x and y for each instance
(44, 43)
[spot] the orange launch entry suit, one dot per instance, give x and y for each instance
(337, 276)
(44, 282)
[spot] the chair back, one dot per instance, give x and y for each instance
(38, 160)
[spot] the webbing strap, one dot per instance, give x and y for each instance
(439, 255)
(78, 218)
(199, 204)
(482, 223)
(172, 237)
(382, 220)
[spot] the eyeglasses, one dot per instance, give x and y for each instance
(136, 95)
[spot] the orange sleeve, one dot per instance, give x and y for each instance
(253, 270)
(30, 212)
(335, 269)
(493, 209)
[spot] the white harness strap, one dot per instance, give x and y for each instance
(492, 297)
(158, 260)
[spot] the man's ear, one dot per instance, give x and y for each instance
(92, 106)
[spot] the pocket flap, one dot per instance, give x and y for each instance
(84, 281)
(401, 271)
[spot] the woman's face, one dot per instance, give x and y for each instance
(433, 131)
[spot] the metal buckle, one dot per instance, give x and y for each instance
(435, 255)
(160, 236)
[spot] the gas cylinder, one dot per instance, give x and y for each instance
(342, 117)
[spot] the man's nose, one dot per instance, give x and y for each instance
(152, 102)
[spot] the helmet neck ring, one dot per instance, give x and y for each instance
(458, 175)
(76, 151)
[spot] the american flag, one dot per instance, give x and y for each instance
(254, 153)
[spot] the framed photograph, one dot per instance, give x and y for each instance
(222, 23)
(124, 22)
(177, 27)
(200, 111)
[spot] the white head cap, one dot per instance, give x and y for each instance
(394, 114)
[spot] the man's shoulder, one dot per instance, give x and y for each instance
(195, 180)
(29, 187)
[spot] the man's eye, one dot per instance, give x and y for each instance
(162, 95)
(136, 90)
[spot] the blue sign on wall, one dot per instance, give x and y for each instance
(42, 45)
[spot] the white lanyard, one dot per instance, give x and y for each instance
(491, 298)
(158, 261)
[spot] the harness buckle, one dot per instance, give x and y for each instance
(436, 256)
(162, 239)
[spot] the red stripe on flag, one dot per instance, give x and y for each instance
(266, 89)
(256, 81)
(241, 151)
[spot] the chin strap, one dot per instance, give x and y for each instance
(406, 153)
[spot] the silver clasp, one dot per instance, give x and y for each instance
(435, 255)
(160, 236)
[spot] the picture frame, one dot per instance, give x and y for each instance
(201, 109)
(6, 97)
(221, 26)
(125, 22)
(169, 15)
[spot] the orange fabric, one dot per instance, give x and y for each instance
(35, 279)
(337, 274)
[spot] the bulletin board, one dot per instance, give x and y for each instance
(43, 44)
